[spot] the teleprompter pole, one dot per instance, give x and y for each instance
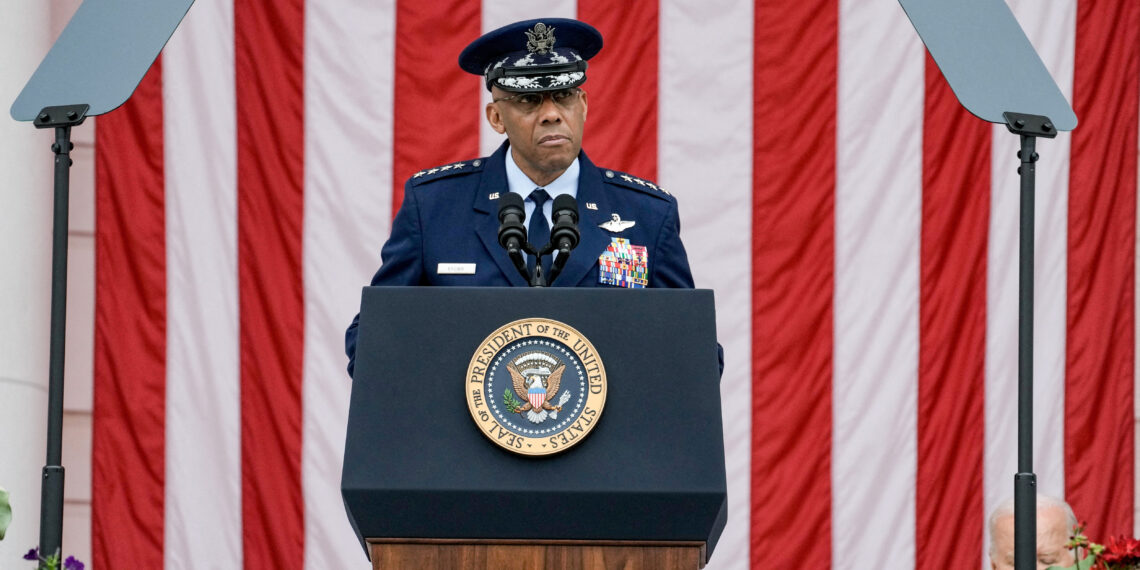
(1029, 127)
(60, 118)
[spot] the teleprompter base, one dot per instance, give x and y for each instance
(447, 554)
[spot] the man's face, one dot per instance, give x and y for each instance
(544, 140)
(1052, 534)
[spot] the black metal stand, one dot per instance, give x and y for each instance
(1025, 482)
(60, 118)
(559, 262)
(539, 278)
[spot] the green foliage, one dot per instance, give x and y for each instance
(510, 401)
(1082, 564)
(5, 512)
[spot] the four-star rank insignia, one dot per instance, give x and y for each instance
(536, 387)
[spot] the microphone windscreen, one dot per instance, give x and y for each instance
(509, 201)
(566, 203)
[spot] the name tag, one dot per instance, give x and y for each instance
(455, 269)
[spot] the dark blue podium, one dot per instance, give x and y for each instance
(424, 487)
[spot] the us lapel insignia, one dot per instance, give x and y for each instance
(493, 196)
(591, 206)
(616, 224)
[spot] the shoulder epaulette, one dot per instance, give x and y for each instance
(633, 182)
(447, 170)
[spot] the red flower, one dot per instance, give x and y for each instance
(1120, 552)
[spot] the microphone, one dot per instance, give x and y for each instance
(512, 232)
(564, 235)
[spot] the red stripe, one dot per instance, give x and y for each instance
(952, 327)
(128, 440)
(622, 85)
(1100, 359)
(435, 104)
(793, 276)
(269, 53)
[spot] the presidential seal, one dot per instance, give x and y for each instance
(536, 387)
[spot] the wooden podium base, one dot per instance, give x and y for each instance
(465, 554)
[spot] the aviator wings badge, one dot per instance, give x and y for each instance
(616, 224)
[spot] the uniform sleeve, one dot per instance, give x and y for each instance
(401, 262)
(671, 268)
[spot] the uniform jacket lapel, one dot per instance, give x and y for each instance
(594, 239)
(494, 179)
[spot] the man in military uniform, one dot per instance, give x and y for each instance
(446, 231)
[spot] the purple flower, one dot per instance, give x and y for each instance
(72, 564)
(33, 554)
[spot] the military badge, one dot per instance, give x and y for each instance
(536, 387)
(624, 265)
(540, 39)
(616, 224)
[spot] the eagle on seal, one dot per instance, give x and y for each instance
(537, 391)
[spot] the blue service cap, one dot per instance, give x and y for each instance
(533, 55)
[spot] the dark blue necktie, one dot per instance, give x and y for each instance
(539, 231)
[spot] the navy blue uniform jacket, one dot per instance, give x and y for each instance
(450, 215)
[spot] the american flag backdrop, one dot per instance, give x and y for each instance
(858, 227)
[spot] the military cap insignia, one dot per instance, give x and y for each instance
(536, 387)
(540, 39)
(616, 224)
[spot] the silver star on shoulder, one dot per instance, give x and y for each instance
(616, 224)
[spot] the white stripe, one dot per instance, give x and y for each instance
(349, 69)
(1051, 27)
(878, 233)
(25, 288)
(496, 14)
(1052, 30)
(203, 451)
(705, 158)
